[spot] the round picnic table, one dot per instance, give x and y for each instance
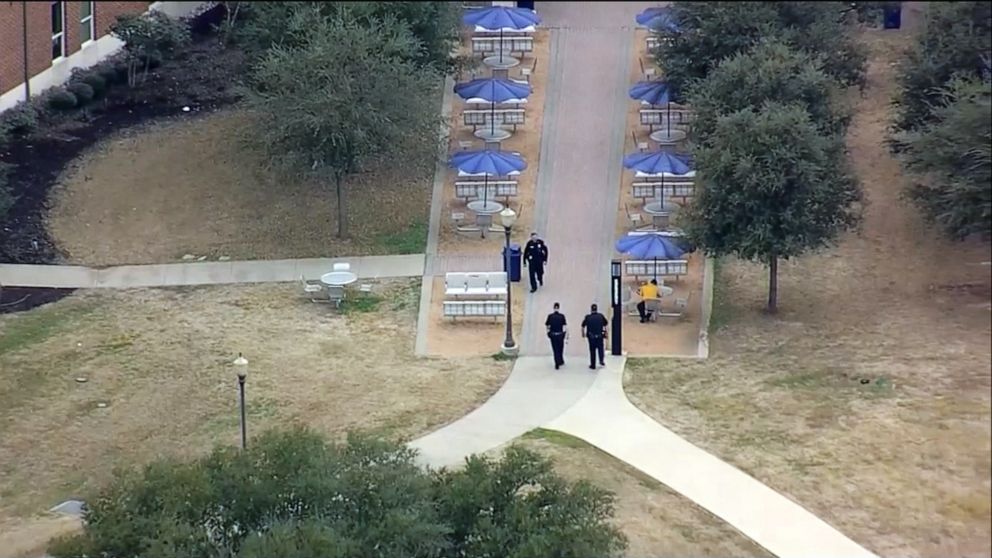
(657, 209)
(503, 62)
(492, 134)
(487, 207)
(338, 278)
(668, 136)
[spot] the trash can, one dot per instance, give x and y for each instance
(892, 16)
(528, 5)
(515, 257)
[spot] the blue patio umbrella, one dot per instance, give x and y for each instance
(502, 18)
(649, 247)
(658, 19)
(493, 90)
(654, 93)
(660, 163)
(486, 164)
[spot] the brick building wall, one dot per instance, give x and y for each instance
(39, 35)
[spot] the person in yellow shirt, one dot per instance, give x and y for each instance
(647, 291)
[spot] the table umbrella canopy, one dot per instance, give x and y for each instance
(658, 19)
(502, 18)
(649, 247)
(493, 90)
(487, 163)
(660, 163)
(652, 92)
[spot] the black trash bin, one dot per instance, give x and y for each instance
(892, 16)
(515, 258)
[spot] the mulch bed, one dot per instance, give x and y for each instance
(203, 78)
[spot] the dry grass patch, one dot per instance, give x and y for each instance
(161, 360)
(867, 400)
(657, 521)
(193, 186)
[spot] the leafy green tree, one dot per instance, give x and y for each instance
(769, 71)
(709, 32)
(952, 158)
(955, 41)
(346, 96)
(772, 187)
(148, 38)
(292, 495)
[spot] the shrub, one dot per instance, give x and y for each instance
(96, 81)
(62, 99)
(110, 75)
(149, 39)
(18, 120)
(7, 198)
(83, 92)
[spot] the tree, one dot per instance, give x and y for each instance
(952, 157)
(293, 495)
(346, 96)
(148, 38)
(709, 32)
(955, 41)
(772, 187)
(768, 71)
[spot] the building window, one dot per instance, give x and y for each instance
(58, 30)
(86, 22)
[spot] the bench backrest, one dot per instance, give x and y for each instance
(499, 116)
(474, 307)
(645, 190)
(497, 188)
(654, 117)
(661, 267)
(477, 281)
(486, 45)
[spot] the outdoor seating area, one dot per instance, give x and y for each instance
(476, 294)
(332, 287)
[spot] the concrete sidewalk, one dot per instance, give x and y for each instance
(775, 522)
(203, 273)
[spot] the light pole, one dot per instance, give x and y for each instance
(508, 217)
(241, 367)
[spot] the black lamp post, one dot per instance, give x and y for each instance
(508, 217)
(616, 345)
(241, 367)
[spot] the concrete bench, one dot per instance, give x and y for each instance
(673, 189)
(473, 308)
(493, 189)
(489, 283)
(660, 268)
(501, 117)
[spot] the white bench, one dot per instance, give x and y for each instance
(658, 117)
(472, 308)
(489, 283)
(493, 189)
(646, 190)
(660, 268)
(509, 44)
(653, 41)
(501, 117)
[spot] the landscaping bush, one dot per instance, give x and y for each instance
(19, 120)
(96, 81)
(148, 40)
(6, 197)
(62, 99)
(83, 92)
(110, 76)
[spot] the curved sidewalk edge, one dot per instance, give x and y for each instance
(534, 394)
(203, 273)
(606, 419)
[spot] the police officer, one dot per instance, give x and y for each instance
(594, 329)
(535, 256)
(557, 330)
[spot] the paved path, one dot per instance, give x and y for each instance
(203, 273)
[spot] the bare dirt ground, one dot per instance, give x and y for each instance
(467, 337)
(191, 185)
(160, 359)
(867, 400)
(657, 522)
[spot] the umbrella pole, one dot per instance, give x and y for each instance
(500, 46)
(656, 273)
(492, 118)
(669, 116)
(485, 190)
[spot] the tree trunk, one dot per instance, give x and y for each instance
(342, 225)
(772, 284)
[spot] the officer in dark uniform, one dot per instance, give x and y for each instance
(535, 256)
(594, 329)
(557, 330)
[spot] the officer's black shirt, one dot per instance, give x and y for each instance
(535, 251)
(555, 322)
(595, 324)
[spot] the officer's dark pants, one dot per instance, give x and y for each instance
(558, 347)
(596, 346)
(536, 274)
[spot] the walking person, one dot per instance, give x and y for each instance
(594, 329)
(535, 258)
(557, 332)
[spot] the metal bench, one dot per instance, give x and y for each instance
(660, 268)
(493, 189)
(658, 117)
(474, 308)
(487, 283)
(508, 44)
(500, 117)
(646, 190)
